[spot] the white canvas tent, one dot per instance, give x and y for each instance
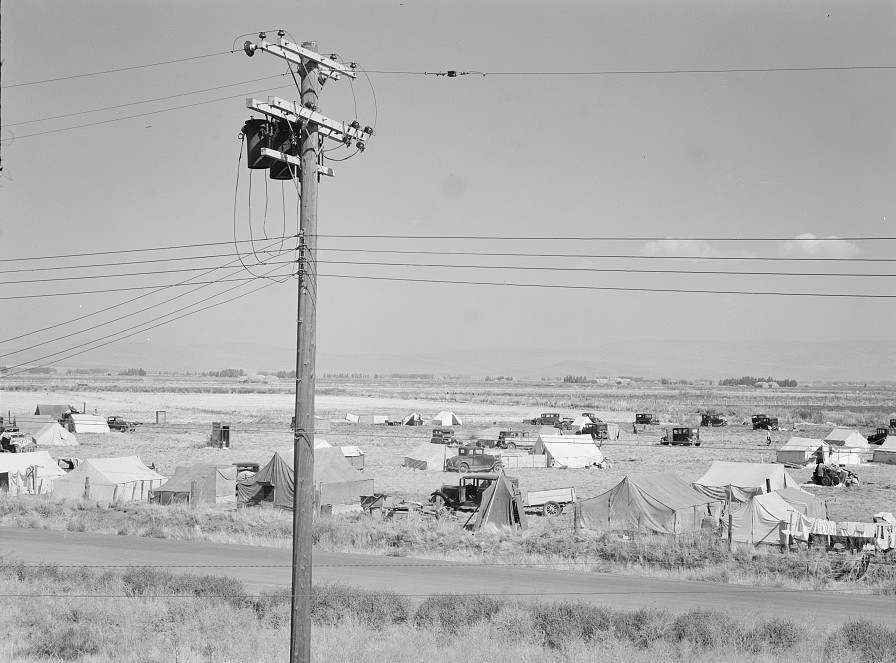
(759, 519)
(53, 434)
(846, 437)
(578, 422)
(110, 480)
(445, 418)
(87, 423)
(413, 419)
(846, 456)
(354, 455)
(428, 456)
(738, 482)
(800, 451)
(29, 473)
(373, 419)
(29, 423)
(570, 451)
(886, 453)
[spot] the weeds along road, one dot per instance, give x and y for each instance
(261, 568)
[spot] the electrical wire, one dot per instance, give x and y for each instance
(129, 274)
(642, 72)
(112, 71)
(555, 286)
(618, 238)
(129, 289)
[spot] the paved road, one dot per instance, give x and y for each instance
(267, 568)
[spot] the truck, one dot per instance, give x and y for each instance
(598, 431)
(764, 422)
(122, 425)
(466, 495)
(472, 458)
(681, 436)
(645, 419)
(714, 420)
(544, 419)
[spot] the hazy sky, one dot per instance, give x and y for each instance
(533, 148)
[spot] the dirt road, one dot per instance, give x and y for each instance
(268, 568)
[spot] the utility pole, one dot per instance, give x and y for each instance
(307, 127)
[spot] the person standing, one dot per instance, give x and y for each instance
(768, 438)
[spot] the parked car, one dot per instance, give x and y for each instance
(712, 420)
(511, 439)
(592, 416)
(681, 436)
(881, 434)
(597, 431)
(645, 419)
(764, 422)
(443, 435)
(467, 495)
(544, 419)
(565, 423)
(122, 425)
(472, 458)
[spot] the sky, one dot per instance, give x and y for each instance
(558, 140)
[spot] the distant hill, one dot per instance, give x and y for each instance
(800, 360)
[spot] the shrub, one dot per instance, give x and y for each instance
(862, 640)
(705, 629)
(560, 623)
(333, 604)
(452, 612)
(68, 642)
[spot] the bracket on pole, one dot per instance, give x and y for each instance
(293, 112)
(295, 161)
(296, 54)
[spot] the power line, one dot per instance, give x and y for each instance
(136, 103)
(142, 250)
(119, 263)
(152, 273)
(633, 72)
(112, 71)
(612, 288)
(599, 269)
(130, 289)
(616, 238)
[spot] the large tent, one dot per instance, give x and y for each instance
(338, 483)
(29, 473)
(846, 455)
(806, 503)
(662, 503)
(413, 419)
(800, 451)
(52, 434)
(87, 423)
(109, 480)
(373, 419)
(502, 506)
(738, 482)
(55, 410)
(886, 452)
(428, 456)
(445, 418)
(29, 423)
(569, 451)
(759, 519)
(206, 484)
(846, 437)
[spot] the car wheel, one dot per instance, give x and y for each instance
(438, 501)
(551, 509)
(497, 467)
(511, 445)
(463, 468)
(827, 481)
(696, 444)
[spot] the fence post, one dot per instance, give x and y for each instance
(34, 479)
(576, 521)
(192, 492)
(730, 532)
(86, 488)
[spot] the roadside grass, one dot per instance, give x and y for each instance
(549, 543)
(150, 615)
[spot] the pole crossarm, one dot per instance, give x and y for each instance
(295, 161)
(293, 112)
(296, 54)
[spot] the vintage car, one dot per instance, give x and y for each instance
(472, 458)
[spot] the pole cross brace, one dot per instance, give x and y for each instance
(296, 54)
(292, 112)
(295, 161)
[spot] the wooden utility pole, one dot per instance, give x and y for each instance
(310, 127)
(303, 436)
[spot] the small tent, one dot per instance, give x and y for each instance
(413, 419)
(373, 419)
(502, 506)
(800, 451)
(445, 418)
(806, 503)
(886, 452)
(662, 503)
(570, 451)
(759, 519)
(846, 455)
(354, 455)
(738, 482)
(87, 423)
(56, 411)
(428, 456)
(353, 418)
(30, 473)
(109, 480)
(53, 434)
(578, 422)
(492, 434)
(207, 484)
(846, 437)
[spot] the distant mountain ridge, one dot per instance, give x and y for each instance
(800, 360)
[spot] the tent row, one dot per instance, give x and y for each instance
(443, 418)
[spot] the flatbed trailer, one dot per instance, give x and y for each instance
(550, 502)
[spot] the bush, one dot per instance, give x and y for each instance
(68, 642)
(333, 604)
(452, 612)
(862, 640)
(557, 624)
